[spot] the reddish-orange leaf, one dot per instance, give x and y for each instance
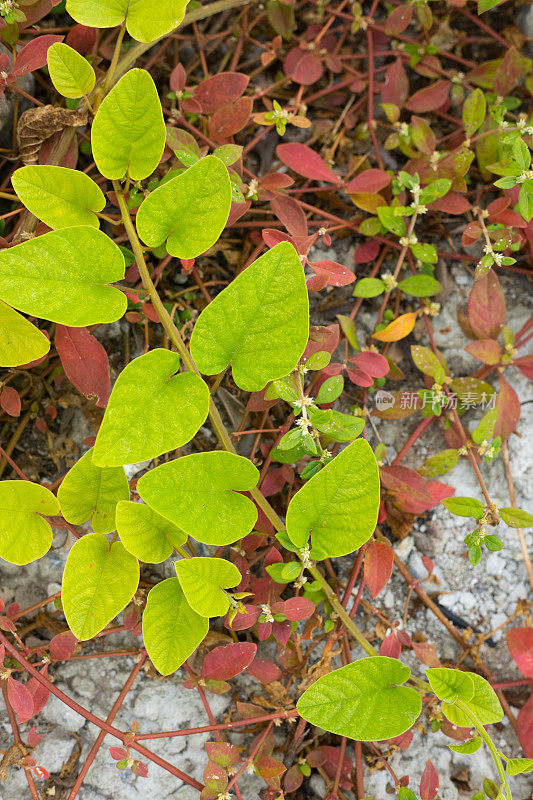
(379, 559)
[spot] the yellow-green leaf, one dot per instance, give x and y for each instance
(24, 534)
(145, 533)
(146, 20)
(59, 196)
(20, 341)
(70, 72)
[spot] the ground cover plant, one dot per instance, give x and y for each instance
(219, 147)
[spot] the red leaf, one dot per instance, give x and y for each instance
(40, 696)
(33, 55)
(230, 119)
(485, 350)
(42, 773)
(426, 653)
(302, 66)
(63, 645)
(225, 662)
(223, 753)
(486, 307)
(371, 181)
(178, 78)
(336, 274)
(368, 251)
(525, 365)
(429, 782)
(264, 670)
(290, 213)
(410, 491)
(359, 377)
(399, 19)
(220, 90)
(439, 491)
(395, 88)
(525, 728)
(471, 234)
(83, 39)
(430, 98)
(306, 162)
(520, 644)
(10, 401)
(293, 779)
(140, 769)
(379, 560)
(452, 203)
(33, 737)
(281, 632)
(373, 363)
(118, 753)
(20, 698)
(508, 410)
(85, 362)
(390, 646)
(295, 608)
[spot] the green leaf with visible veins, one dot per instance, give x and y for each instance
(199, 493)
(24, 534)
(146, 20)
(337, 507)
(20, 341)
(203, 581)
(171, 629)
(71, 73)
(63, 276)
(59, 196)
(91, 492)
(151, 410)
(145, 533)
(128, 133)
(259, 323)
(98, 583)
(190, 210)
(363, 701)
(471, 689)
(516, 517)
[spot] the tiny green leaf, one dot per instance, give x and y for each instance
(98, 582)
(128, 133)
(519, 766)
(92, 492)
(474, 110)
(439, 464)
(199, 493)
(171, 629)
(190, 210)
(203, 581)
(59, 196)
(24, 534)
(451, 684)
(337, 507)
(363, 701)
(20, 341)
(71, 73)
(467, 748)
(145, 533)
(259, 323)
(144, 21)
(369, 287)
(516, 517)
(151, 410)
(464, 506)
(420, 285)
(63, 276)
(330, 389)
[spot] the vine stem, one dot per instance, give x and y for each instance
(490, 744)
(116, 53)
(512, 497)
(175, 337)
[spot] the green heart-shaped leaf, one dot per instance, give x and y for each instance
(363, 701)
(151, 410)
(20, 341)
(337, 507)
(199, 494)
(24, 534)
(145, 533)
(59, 196)
(202, 581)
(128, 133)
(63, 275)
(190, 210)
(71, 73)
(98, 582)
(91, 492)
(171, 629)
(145, 21)
(259, 323)
(471, 689)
